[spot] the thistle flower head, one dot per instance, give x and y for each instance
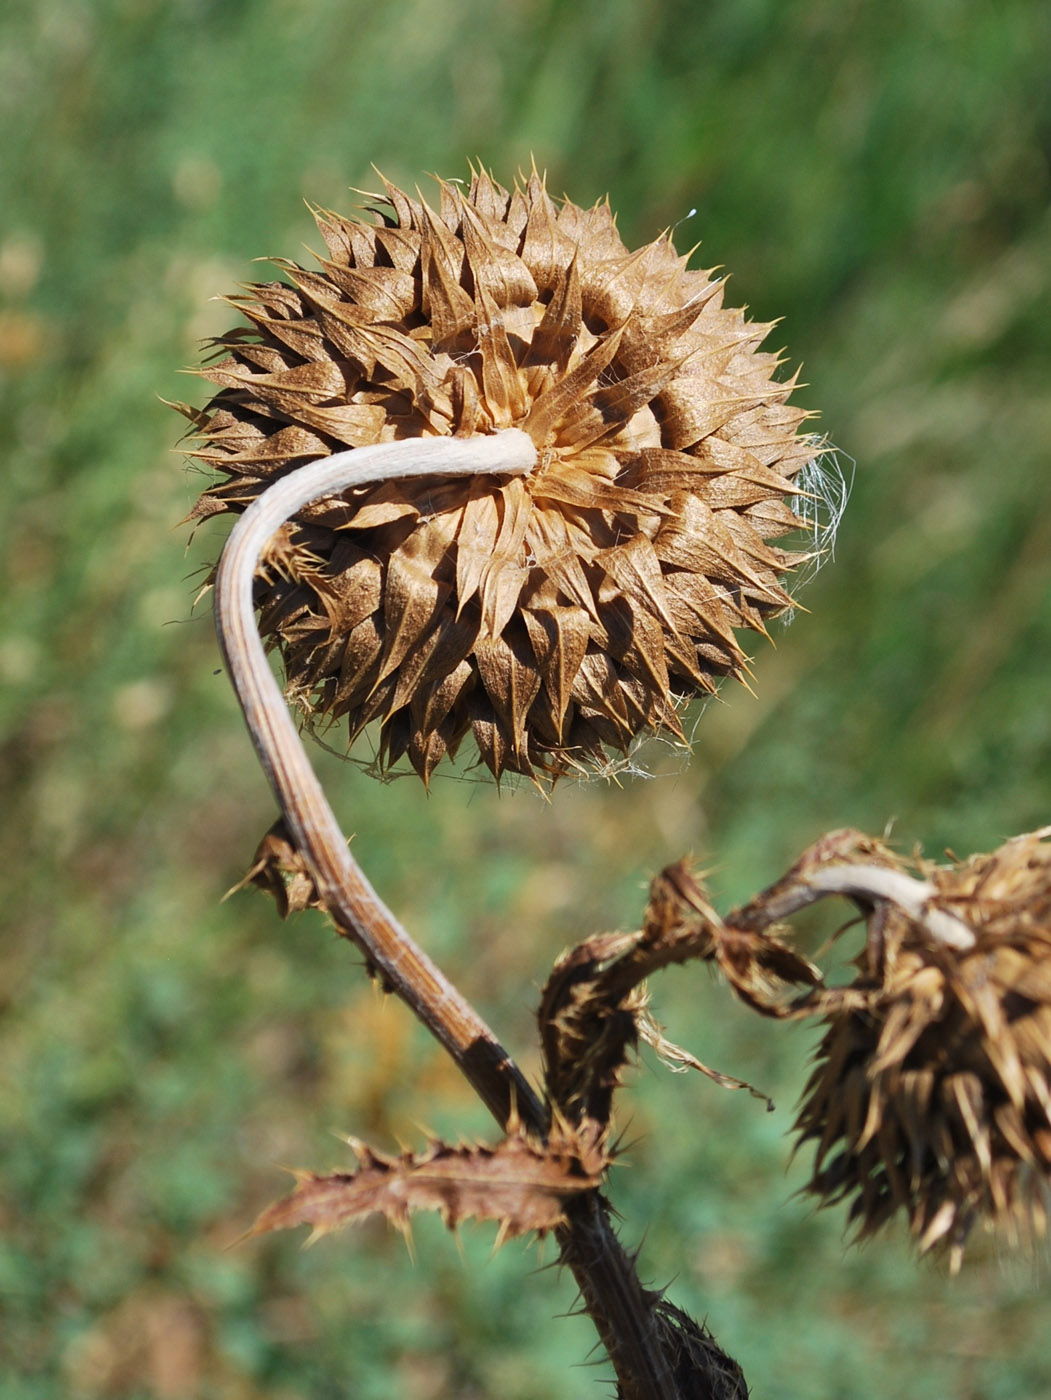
(553, 617)
(931, 1094)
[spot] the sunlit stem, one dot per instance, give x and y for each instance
(875, 884)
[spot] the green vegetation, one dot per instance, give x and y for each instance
(877, 176)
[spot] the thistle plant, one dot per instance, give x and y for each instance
(502, 483)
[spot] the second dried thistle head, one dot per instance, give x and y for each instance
(931, 1092)
(557, 617)
(930, 1096)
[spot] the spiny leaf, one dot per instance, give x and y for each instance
(522, 1184)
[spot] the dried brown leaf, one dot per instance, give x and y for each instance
(593, 1006)
(522, 1184)
(281, 871)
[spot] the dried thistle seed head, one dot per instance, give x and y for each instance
(932, 1088)
(554, 617)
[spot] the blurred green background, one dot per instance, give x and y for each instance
(874, 173)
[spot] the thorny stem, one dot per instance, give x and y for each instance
(615, 1300)
(611, 1290)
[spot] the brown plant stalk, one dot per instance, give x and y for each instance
(643, 1347)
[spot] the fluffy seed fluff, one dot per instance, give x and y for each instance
(554, 617)
(931, 1094)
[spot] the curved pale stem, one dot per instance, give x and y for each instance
(874, 884)
(349, 898)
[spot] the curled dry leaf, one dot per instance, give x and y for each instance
(553, 617)
(593, 1007)
(521, 1184)
(760, 967)
(588, 1027)
(279, 869)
